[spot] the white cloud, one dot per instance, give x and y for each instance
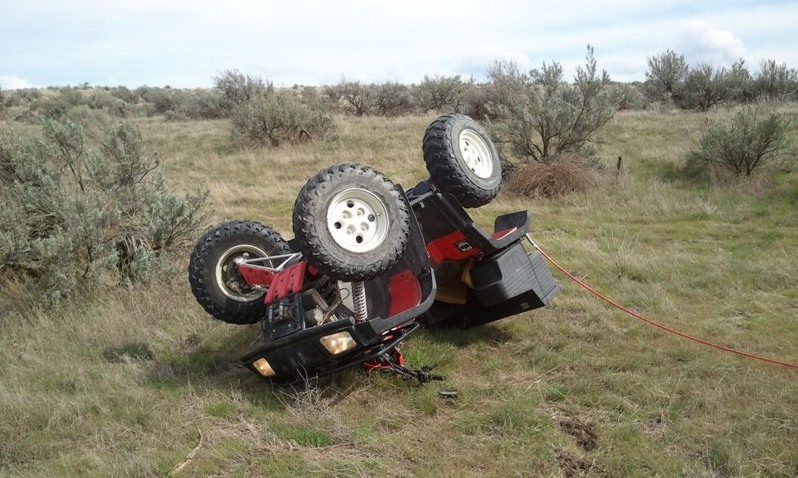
(13, 82)
(185, 44)
(702, 42)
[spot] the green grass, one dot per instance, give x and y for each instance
(123, 382)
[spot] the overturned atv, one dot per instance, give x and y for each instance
(371, 262)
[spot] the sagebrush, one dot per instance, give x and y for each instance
(540, 115)
(743, 145)
(86, 206)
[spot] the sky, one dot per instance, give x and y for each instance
(187, 44)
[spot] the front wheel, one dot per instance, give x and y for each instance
(213, 271)
(351, 222)
(462, 160)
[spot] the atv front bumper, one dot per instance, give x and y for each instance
(323, 350)
(290, 349)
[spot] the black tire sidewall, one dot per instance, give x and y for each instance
(214, 245)
(316, 241)
(446, 165)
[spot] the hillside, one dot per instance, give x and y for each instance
(139, 381)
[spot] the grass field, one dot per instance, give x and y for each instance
(141, 382)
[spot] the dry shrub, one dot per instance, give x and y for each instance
(565, 176)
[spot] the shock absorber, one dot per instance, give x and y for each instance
(359, 301)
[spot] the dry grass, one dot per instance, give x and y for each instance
(565, 175)
(122, 383)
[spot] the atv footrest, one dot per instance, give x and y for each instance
(452, 234)
(286, 282)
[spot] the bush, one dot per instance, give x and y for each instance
(743, 145)
(202, 104)
(124, 94)
(776, 82)
(274, 117)
(541, 116)
(665, 76)
(705, 87)
(393, 99)
(741, 84)
(79, 210)
(479, 101)
(631, 96)
(237, 89)
(353, 97)
(21, 97)
(161, 101)
(182, 104)
(440, 93)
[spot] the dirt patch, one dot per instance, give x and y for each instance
(582, 432)
(572, 466)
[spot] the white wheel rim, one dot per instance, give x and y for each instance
(476, 154)
(225, 269)
(358, 220)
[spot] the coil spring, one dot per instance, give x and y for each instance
(359, 301)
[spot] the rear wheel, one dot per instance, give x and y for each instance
(213, 271)
(351, 222)
(462, 160)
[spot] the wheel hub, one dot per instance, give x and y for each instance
(226, 273)
(476, 154)
(358, 220)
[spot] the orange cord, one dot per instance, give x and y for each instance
(651, 322)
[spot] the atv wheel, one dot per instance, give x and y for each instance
(462, 160)
(213, 273)
(351, 222)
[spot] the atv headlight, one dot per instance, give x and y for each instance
(263, 367)
(338, 343)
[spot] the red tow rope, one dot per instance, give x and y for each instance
(651, 322)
